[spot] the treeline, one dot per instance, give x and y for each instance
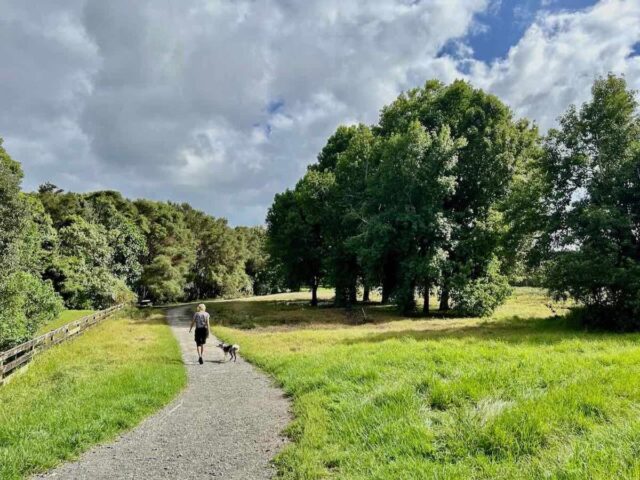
(89, 251)
(450, 195)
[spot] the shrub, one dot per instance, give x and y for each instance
(481, 296)
(26, 302)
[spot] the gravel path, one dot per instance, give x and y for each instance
(225, 424)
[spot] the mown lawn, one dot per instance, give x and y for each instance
(520, 395)
(86, 391)
(65, 317)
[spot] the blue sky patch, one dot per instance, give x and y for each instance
(503, 25)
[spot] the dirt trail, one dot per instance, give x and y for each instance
(225, 424)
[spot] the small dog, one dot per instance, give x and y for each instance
(230, 349)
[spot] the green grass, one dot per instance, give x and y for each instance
(519, 395)
(65, 317)
(86, 391)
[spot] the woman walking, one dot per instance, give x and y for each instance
(201, 322)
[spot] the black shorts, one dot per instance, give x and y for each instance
(201, 335)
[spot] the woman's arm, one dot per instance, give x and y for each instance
(209, 322)
(193, 321)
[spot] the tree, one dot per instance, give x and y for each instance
(483, 173)
(589, 206)
(171, 248)
(219, 269)
(11, 208)
(263, 274)
(162, 280)
(26, 302)
(119, 217)
(81, 267)
(295, 225)
(347, 155)
(406, 197)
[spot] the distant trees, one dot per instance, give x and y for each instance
(296, 225)
(449, 195)
(413, 203)
(97, 249)
(263, 274)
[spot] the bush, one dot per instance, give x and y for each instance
(26, 302)
(99, 289)
(84, 287)
(480, 297)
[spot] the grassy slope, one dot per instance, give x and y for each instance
(516, 396)
(65, 317)
(86, 391)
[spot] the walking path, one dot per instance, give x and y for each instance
(226, 424)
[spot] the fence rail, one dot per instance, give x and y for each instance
(20, 355)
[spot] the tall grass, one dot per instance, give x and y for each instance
(520, 395)
(86, 391)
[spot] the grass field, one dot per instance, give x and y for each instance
(65, 317)
(520, 395)
(86, 391)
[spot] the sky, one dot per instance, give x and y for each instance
(223, 103)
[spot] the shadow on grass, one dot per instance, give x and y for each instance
(513, 330)
(248, 315)
(144, 316)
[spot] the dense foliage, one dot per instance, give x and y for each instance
(411, 204)
(97, 249)
(586, 220)
(26, 301)
(449, 195)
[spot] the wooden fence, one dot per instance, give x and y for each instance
(20, 355)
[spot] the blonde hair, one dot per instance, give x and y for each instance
(202, 307)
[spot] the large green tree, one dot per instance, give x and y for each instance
(258, 265)
(348, 157)
(171, 251)
(11, 210)
(406, 199)
(483, 173)
(81, 267)
(26, 301)
(219, 268)
(296, 231)
(589, 207)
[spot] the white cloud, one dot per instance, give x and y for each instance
(559, 57)
(224, 103)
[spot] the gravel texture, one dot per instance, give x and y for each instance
(226, 424)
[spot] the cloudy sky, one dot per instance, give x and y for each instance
(223, 103)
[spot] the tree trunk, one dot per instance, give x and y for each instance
(314, 294)
(386, 291)
(444, 300)
(386, 295)
(365, 295)
(353, 293)
(425, 307)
